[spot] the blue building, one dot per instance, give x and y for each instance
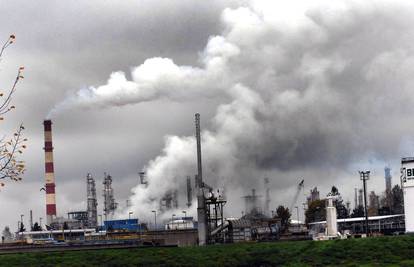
(122, 225)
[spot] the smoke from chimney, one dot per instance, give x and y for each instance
(293, 100)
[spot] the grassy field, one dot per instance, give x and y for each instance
(381, 251)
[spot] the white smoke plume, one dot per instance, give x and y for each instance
(302, 86)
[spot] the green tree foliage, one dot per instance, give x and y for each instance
(36, 227)
(284, 215)
(341, 210)
(397, 200)
(358, 212)
(8, 236)
(316, 211)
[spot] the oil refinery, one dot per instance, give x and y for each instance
(258, 221)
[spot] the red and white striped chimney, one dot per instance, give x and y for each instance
(49, 173)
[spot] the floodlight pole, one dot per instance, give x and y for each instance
(364, 176)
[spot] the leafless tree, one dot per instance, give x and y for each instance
(10, 167)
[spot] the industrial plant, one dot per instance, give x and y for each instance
(325, 217)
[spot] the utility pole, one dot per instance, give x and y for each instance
(364, 176)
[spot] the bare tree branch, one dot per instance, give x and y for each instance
(10, 167)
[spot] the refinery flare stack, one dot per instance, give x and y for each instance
(49, 173)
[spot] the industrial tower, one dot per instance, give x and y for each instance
(92, 202)
(251, 203)
(361, 197)
(142, 178)
(201, 203)
(109, 201)
(49, 173)
(356, 198)
(189, 192)
(267, 200)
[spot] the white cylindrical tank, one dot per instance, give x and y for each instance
(331, 223)
(179, 224)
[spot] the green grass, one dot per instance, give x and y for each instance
(381, 251)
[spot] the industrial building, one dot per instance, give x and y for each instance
(180, 224)
(314, 195)
(122, 225)
(252, 203)
(49, 236)
(388, 224)
(407, 181)
(211, 227)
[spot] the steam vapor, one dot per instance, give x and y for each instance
(298, 85)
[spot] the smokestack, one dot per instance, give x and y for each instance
(201, 205)
(267, 201)
(49, 173)
(356, 198)
(31, 220)
(198, 138)
(189, 192)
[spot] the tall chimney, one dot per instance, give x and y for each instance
(201, 205)
(189, 192)
(49, 173)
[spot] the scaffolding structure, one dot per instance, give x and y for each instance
(143, 178)
(92, 202)
(215, 218)
(109, 201)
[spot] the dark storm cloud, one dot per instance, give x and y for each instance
(316, 94)
(285, 91)
(65, 47)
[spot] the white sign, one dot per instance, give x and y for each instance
(407, 172)
(407, 179)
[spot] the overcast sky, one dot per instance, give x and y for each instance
(286, 91)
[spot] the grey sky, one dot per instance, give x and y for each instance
(334, 87)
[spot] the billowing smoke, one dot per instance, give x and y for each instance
(301, 88)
